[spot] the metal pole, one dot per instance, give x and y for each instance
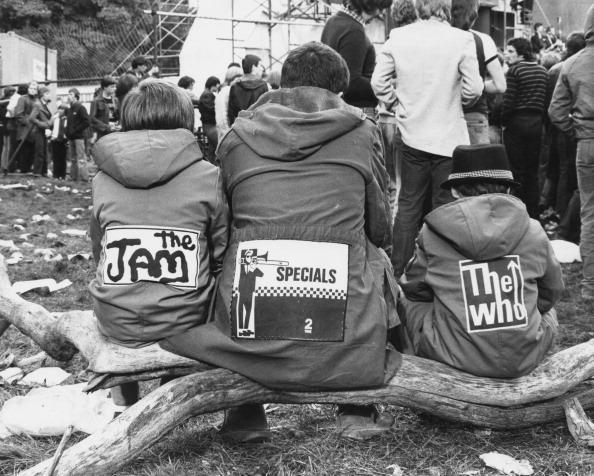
(270, 34)
(504, 23)
(232, 31)
(289, 26)
(237, 20)
(154, 14)
(45, 51)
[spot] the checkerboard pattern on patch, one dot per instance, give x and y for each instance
(291, 291)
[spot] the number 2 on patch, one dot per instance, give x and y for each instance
(308, 326)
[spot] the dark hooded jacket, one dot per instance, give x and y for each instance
(478, 261)
(154, 190)
(572, 105)
(243, 93)
(303, 172)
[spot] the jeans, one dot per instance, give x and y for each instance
(40, 157)
(478, 127)
(392, 140)
(566, 151)
(76, 149)
(585, 174)
(522, 137)
(422, 175)
(59, 151)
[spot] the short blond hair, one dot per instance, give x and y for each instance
(156, 104)
(434, 8)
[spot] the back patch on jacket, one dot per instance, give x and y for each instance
(157, 254)
(493, 294)
(290, 290)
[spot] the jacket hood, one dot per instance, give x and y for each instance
(589, 26)
(492, 225)
(248, 83)
(292, 124)
(142, 159)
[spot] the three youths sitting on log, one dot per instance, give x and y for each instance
(296, 291)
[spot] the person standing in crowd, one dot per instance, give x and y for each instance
(206, 106)
(76, 130)
(233, 74)
(563, 144)
(187, 83)
(403, 13)
(309, 190)
(522, 113)
(247, 89)
(344, 32)
(41, 119)
(5, 127)
(102, 117)
(539, 41)
(464, 15)
(12, 128)
(436, 71)
(140, 69)
(25, 142)
(273, 79)
(572, 111)
(58, 143)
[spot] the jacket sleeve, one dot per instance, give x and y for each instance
(472, 83)
(561, 104)
(95, 123)
(377, 204)
(19, 112)
(381, 81)
(219, 229)
(413, 282)
(34, 118)
(509, 97)
(550, 285)
(83, 118)
(232, 107)
(96, 234)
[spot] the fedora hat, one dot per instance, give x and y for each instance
(479, 163)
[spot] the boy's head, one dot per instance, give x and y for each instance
(479, 169)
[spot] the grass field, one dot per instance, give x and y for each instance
(304, 441)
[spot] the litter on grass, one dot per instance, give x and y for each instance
(18, 227)
(506, 464)
(79, 256)
(15, 186)
(21, 287)
(20, 221)
(15, 258)
(11, 375)
(51, 236)
(50, 411)
(8, 244)
(566, 251)
(46, 377)
(40, 218)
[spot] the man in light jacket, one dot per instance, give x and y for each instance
(572, 111)
(436, 70)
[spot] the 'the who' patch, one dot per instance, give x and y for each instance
(493, 294)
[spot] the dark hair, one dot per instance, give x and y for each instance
(576, 41)
(138, 61)
(42, 90)
(480, 188)
(126, 82)
(231, 65)
(22, 89)
(212, 81)
(403, 13)
(523, 47)
(75, 92)
(367, 6)
(315, 64)
(157, 105)
(107, 81)
(464, 13)
(248, 62)
(186, 82)
(537, 25)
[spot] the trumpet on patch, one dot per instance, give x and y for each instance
(263, 260)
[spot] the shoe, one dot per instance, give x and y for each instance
(246, 424)
(362, 422)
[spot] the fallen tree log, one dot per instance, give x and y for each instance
(420, 384)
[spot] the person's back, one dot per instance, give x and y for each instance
(480, 289)
(246, 90)
(157, 246)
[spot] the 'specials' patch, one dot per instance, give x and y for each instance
(290, 290)
(158, 254)
(493, 294)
